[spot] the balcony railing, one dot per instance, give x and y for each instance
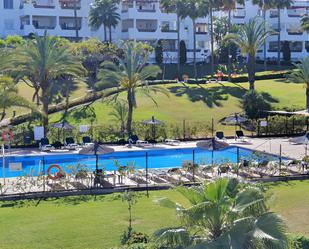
(168, 30)
(273, 14)
(43, 27)
(43, 6)
(146, 29)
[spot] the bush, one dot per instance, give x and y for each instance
(300, 242)
(253, 102)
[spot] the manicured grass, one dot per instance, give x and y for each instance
(82, 222)
(200, 103)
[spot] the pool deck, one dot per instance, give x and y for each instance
(268, 145)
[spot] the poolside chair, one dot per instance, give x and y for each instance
(57, 145)
(171, 141)
(87, 141)
(240, 135)
(45, 146)
(220, 135)
(135, 140)
(70, 144)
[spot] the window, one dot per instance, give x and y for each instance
(9, 24)
(8, 4)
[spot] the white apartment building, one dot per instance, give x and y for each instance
(290, 27)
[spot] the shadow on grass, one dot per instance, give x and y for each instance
(214, 96)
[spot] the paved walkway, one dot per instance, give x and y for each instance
(269, 145)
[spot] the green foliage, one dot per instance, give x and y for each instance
(159, 52)
(300, 242)
(254, 102)
(183, 52)
(286, 51)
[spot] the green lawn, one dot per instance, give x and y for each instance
(85, 223)
(200, 103)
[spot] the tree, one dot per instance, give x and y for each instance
(9, 97)
(131, 73)
(224, 214)
(104, 13)
(280, 4)
(43, 61)
(286, 51)
(249, 38)
(230, 5)
(301, 75)
(254, 102)
(159, 52)
(183, 52)
(177, 6)
(264, 5)
(120, 114)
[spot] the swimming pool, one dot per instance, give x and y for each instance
(161, 158)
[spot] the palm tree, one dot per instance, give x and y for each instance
(76, 18)
(224, 214)
(301, 75)
(177, 6)
(264, 5)
(280, 4)
(9, 97)
(230, 5)
(43, 61)
(120, 114)
(131, 74)
(104, 12)
(249, 38)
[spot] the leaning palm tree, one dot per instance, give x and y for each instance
(249, 38)
(221, 215)
(279, 5)
(43, 61)
(131, 73)
(10, 97)
(264, 5)
(104, 13)
(175, 6)
(301, 75)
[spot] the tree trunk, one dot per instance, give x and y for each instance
(178, 47)
(307, 98)
(45, 102)
(130, 111)
(76, 20)
(36, 96)
(265, 46)
(212, 41)
(3, 114)
(105, 33)
(194, 49)
(229, 59)
(279, 38)
(110, 34)
(251, 71)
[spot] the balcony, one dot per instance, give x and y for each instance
(168, 27)
(146, 25)
(145, 6)
(273, 14)
(70, 4)
(68, 23)
(294, 31)
(299, 12)
(239, 13)
(201, 28)
(46, 4)
(44, 22)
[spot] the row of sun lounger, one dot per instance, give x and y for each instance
(69, 144)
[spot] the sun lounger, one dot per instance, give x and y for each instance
(220, 135)
(172, 141)
(240, 135)
(45, 146)
(70, 144)
(135, 140)
(87, 141)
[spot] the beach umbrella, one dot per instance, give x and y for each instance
(212, 145)
(235, 120)
(64, 125)
(96, 150)
(153, 122)
(301, 140)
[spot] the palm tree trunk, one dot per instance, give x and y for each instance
(212, 41)
(178, 47)
(3, 114)
(229, 48)
(105, 33)
(307, 98)
(265, 46)
(76, 20)
(130, 111)
(110, 33)
(279, 37)
(36, 96)
(194, 49)
(45, 102)
(251, 71)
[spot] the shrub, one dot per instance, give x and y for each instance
(183, 52)
(253, 102)
(300, 242)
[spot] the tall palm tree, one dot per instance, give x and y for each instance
(9, 97)
(43, 61)
(104, 13)
(279, 5)
(264, 5)
(175, 6)
(194, 9)
(131, 74)
(301, 75)
(249, 38)
(230, 5)
(222, 215)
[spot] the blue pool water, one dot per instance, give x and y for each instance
(161, 158)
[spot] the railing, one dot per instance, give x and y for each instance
(146, 30)
(45, 6)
